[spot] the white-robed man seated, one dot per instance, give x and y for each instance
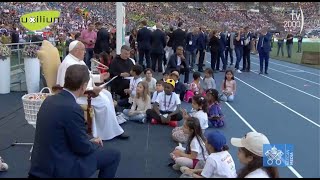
(105, 124)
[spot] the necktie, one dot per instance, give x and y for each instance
(262, 41)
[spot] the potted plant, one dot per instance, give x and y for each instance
(32, 67)
(5, 67)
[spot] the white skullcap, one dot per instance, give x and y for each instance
(73, 44)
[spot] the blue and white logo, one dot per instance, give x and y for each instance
(277, 155)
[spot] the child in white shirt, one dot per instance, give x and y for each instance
(195, 150)
(200, 106)
(159, 89)
(166, 108)
(219, 163)
(135, 71)
(150, 80)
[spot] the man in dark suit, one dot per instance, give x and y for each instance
(246, 50)
(178, 37)
(229, 45)
(191, 46)
(103, 38)
(158, 43)
(201, 46)
(221, 52)
(62, 148)
(264, 47)
(178, 62)
(144, 44)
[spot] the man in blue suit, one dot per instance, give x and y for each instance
(144, 44)
(201, 46)
(264, 48)
(62, 148)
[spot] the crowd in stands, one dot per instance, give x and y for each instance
(209, 14)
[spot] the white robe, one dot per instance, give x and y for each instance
(104, 124)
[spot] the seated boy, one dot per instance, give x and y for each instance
(135, 72)
(180, 88)
(159, 89)
(166, 108)
(165, 76)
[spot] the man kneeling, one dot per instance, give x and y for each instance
(62, 148)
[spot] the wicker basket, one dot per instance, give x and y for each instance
(32, 103)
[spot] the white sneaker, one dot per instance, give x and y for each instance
(144, 120)
(3, 166)
(238, 71)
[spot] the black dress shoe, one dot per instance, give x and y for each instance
(242, 70)
(265, 72)
(123, 136)
(260, 72)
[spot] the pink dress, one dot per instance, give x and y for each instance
(194, 87)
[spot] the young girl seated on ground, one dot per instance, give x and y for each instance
(250, 154)
(208, 80)
(166, 108)
(228, 87)
(159, 89)
(195, 87)
(141, 103)
(195, 150)
(199, 105)
(150, 80)
(215, 116)
(219, 163)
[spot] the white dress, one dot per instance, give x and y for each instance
(104, 124)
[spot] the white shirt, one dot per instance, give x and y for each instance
(178, 61)
(133, 85)
(151, 84)
(219, 165)
(71, 60)
(168, 102)
(154, 96)
(203, 118)
(196, 147)
(259, 173)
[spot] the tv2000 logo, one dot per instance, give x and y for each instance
(297, 20)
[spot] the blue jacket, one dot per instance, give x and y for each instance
(222, 42)
(266, 43)
(193, 38)
(61, 145)
(202, 41)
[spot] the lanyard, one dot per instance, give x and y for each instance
(165, 102)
